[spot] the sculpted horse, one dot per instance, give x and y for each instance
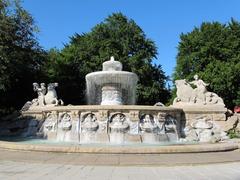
(43, 99)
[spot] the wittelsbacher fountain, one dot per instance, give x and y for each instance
(111, 116)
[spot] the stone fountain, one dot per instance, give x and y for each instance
(111, 86)
(112, 118)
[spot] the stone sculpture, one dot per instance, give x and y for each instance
(43, 99)
(41, 90)
(50, 123)
(89, 123)
(204, 130)
(148, 125)
(65, 122)
(199, 93)
(170, 124)
(118, 123)
(186, 94)
(51, 96)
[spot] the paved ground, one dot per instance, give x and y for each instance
(121, 159)
(32, 171)
(44, 166)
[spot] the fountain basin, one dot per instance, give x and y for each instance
(111, 87)
(104, 121)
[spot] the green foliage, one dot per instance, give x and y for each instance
(20, 55)
(116, 36)
(233, 134)
(213, 52)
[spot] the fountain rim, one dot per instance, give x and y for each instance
(131, 74)
(149, 149)
(103, 107)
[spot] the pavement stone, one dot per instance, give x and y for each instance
(16, 165)
(41, 171)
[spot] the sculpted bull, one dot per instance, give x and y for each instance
(184, 91)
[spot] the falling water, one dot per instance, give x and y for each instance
(124, 81)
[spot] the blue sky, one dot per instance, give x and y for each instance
(162, 20)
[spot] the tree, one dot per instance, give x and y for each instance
(20, 55)
(116, 36)
(213, 52)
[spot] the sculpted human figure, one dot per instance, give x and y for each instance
(170, 124)
(147, 124)
(118, 119)
(90, 118)
(147, 119)
(119, 123)
(50, 123)
(200, 90)
(65, 123)
(41, 90)
(89, 123)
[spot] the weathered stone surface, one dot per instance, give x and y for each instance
(202, 124)
(51, 135)
(133, 138)
(190, 135)
(231, 123)
(238, 127)
(150, 138)
(203, 129)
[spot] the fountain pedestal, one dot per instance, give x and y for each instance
(111, 95)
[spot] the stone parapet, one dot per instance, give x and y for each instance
(108, 123)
